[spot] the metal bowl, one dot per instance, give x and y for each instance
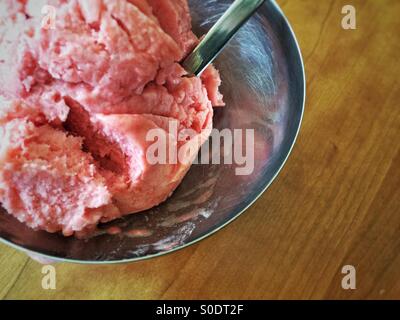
(264, 88)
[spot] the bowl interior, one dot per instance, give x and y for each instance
(263, 85)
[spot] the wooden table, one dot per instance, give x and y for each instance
(336, 203)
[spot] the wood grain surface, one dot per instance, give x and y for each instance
(336, 203)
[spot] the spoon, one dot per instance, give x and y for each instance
(219, 35)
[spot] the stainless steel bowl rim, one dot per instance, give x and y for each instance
(212, 232)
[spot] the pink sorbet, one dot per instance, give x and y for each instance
(80, 95)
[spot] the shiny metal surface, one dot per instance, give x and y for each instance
(220, 34)
(264, 87)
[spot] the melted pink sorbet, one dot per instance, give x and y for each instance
(78, 99)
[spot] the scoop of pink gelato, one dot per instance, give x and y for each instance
(80, 94)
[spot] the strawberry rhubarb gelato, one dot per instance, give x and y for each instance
(82, 83)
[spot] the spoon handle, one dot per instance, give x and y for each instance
(219, 35)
